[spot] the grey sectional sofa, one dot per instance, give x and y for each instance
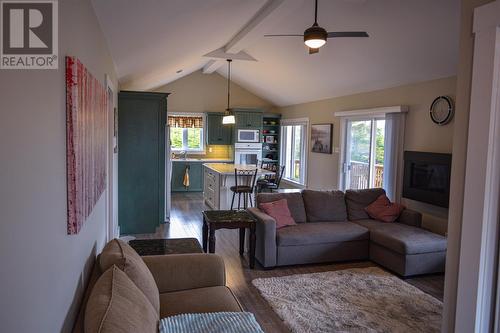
(333, 226)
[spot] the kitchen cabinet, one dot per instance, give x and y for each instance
(248, 119)
(141, 128)
(218, 134)
(195, 176)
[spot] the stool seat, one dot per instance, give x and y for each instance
(241, 189)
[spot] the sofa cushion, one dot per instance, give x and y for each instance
(324, 205)
(200, 300)
(320, 233)
(384, 210)
(357, 200)
(119, 253)
(406, 239)
(279, 211)
(294, 200)
(117, 305)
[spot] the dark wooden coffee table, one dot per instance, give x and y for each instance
(229, 219)
(151, 247)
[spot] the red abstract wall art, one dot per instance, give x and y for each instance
(86, 120)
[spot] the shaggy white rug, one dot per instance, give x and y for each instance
(351, 300)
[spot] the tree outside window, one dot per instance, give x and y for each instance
(185, 138)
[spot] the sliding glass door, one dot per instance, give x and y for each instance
(364, 153)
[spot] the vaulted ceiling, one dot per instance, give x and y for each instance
(155, 42)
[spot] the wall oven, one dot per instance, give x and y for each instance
(247, 153)
(248, 135)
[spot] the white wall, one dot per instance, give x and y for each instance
(42, 268)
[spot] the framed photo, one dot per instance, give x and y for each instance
(321, 138)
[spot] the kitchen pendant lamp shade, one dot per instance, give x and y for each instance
(228, 118)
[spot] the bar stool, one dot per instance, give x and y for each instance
(271, 182)
(244, 183)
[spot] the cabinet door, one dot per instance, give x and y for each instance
(251, 120)
(141, 175)
(178, 170)
(217, 133)
(195, 177)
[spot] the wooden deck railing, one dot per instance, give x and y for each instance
(359, 178)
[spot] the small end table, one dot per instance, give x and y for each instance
(229, 219)
(151, 247)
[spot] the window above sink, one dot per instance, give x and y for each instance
(187, 132)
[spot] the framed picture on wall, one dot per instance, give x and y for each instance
(321, 138)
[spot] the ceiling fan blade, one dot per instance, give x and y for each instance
(335, 34)
(313, 51)
(283, 35)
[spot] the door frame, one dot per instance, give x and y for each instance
(478, 268)
(112, 228)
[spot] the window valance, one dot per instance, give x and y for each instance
(185, 121)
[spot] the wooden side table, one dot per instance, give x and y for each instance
(229, 219)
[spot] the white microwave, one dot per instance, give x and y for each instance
(247, 135)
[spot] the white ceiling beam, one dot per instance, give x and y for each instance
(254, 29)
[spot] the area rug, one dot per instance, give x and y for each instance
(351, 300)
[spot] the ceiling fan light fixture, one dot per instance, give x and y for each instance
(315, 37)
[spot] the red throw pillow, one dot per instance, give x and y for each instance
(384, 210)
(279, 211)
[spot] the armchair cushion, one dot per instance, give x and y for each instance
(117, 305)
(176, 272)
(119, 253)
(200, 300)
(324, 206)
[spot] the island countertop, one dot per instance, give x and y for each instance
(227, 169)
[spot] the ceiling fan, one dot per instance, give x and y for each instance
(316, 36)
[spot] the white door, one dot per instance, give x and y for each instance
(364, 153)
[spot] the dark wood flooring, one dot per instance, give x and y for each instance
(186, 221)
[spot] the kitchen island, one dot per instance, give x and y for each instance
(218, 178)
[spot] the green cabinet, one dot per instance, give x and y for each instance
(141, 171)
(218, 134)
(195, 176)
(248, 119)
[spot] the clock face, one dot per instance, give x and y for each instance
(441, 110)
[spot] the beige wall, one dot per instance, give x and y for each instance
(43, 269)
(421, 133)
(464, 76)
(198, 92)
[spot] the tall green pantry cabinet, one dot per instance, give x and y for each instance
(142, 118)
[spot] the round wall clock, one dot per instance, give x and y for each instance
(442, 110)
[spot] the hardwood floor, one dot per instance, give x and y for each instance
(186, 221)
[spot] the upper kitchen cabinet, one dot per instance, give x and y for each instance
(248, 118)
(218, 134)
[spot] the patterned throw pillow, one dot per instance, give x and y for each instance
(384, 210)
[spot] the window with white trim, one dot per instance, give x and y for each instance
(187, 132)
(294, 149)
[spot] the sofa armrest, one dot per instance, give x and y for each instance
(411, 218)
(186, 271)
(265, 249)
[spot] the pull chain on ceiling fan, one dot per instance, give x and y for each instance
(316, 36)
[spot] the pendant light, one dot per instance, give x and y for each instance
(228, 115)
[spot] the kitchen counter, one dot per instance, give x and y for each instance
(211, 160)
(227, 169)
(217, 181)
